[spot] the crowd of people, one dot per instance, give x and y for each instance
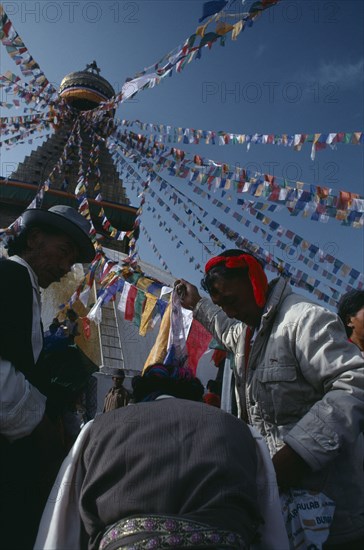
(164, 466)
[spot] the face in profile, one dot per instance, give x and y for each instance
(50, 256)
(356, 323)
(236, 299)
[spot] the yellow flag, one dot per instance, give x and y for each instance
(159, 350)
(356, 137)
(143, 283)
(223, 28)
(237, 28)
(259, 190)
(151, 300)
(200, 31)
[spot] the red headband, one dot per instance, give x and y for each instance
(256, 273)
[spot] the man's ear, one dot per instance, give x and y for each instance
(349, 322)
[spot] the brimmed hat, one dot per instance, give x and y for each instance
(117, 373)
(68, 220)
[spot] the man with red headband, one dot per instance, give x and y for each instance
(297, 380)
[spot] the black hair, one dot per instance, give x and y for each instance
(221, 270)
(349, 305)
(53, 327)
(147, 388)
(19, 243)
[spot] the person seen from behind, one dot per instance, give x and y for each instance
(165, 472)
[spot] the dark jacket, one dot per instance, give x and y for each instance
(170, 456)
(16, 317)
(20, 462)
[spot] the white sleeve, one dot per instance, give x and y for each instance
(61, 524)
(273, 534)
(22, 406)
(214, 319)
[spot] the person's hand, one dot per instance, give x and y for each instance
(289, 467)
(188, 294)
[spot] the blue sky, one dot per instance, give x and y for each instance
(299, 69)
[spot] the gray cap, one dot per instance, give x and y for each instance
(69, 221)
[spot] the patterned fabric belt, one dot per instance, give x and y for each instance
(159, 532)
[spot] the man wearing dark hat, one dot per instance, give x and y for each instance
(48, 244)
(298, 381)
(117, 396)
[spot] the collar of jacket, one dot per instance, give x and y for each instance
(278, 290)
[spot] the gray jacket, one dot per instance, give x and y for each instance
(304, 386)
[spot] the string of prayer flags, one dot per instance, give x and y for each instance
(155, 250)
(25, 92)
(311, 264)
(142, 299)
(21, 56)
(296, 240)
(180, 223)
(173, 236)
(310, 254)
(314, 252)
(316, 258)
(176, 239)
(176, 60)
(309, 203)
(168, 134)
(83, 185)
(177, 200)
(11, 142)
(81, 188)
(306, 281)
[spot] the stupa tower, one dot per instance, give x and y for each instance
(81, 91)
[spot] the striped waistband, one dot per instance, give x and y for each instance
(159, 532)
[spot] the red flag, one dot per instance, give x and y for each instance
(129, 307)
(197, 343)
(218, 356)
